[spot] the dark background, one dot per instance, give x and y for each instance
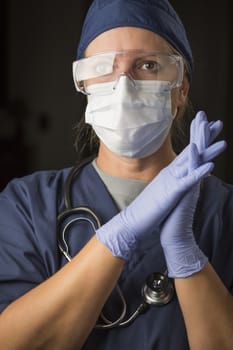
(38, 103)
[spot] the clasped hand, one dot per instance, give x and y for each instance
(164, 201)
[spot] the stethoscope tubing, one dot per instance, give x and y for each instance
(89, 216)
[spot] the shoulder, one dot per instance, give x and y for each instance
(32, 199)
(214, 219)
(38, 185)
(217, 195)
(213, 182)
(214, 226)
(47, 178)
(216, 202)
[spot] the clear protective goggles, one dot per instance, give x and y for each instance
(138, 65)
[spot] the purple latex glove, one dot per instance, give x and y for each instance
(155, 202)
(183, 256)
(203, 133)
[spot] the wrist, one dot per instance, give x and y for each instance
(117, 237)
(184, 261)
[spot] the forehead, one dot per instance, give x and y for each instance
(127, 38)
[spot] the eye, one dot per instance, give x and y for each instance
(150, 66)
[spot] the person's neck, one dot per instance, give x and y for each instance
(144, 169)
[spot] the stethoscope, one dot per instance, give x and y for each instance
(158, 289)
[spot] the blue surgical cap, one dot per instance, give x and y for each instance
(157, 16)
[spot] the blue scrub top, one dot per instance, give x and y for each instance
(29, 255)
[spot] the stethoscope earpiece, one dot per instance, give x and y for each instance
(158, 289)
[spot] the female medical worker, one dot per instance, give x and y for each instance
(131, 56)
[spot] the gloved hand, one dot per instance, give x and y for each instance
(155, 202)
(203, 133)
(182, 254)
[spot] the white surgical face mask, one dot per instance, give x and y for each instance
(134, 120)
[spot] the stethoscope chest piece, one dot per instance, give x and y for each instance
(158, 290)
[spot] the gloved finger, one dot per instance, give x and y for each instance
(180, 165)
(215, 129)
(203, 137)
(194, 127)
(196, 135)
(213, 151)
(186, 162)
(194, 158)
(198, 174)
(182, 156)
(201, 116)
(208, 133)
(193, 131)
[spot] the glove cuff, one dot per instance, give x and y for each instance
(116, 236)
(182, 263)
